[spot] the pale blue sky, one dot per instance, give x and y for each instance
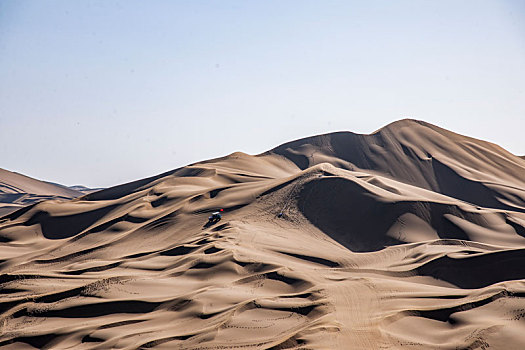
(100, 92)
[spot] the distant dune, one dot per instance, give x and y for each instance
(410, 237)
(17, 190)
(84, 189)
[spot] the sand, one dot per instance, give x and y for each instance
(411, 237)
(17, 191)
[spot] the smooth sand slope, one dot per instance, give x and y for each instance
(17, 191)
(411, 237)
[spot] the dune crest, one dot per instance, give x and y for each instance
(17, 191)
(410, 237)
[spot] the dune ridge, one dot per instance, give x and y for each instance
(410, 237)
(17, 191)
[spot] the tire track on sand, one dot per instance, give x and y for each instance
(357, 303)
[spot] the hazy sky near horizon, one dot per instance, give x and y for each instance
(104, 92)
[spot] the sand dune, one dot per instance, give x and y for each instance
(410, 237)
(17, 191)
(84, 189)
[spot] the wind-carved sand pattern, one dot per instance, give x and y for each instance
(411, 237)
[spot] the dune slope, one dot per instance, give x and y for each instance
(17, 191)
(411, 237)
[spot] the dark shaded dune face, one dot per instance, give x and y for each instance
(361, 220)
(452, 184)
(380, 152)
(342, 209)
(479, 270)
(66, 226)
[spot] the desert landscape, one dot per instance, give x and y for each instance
(17, 191)
(410, 237)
